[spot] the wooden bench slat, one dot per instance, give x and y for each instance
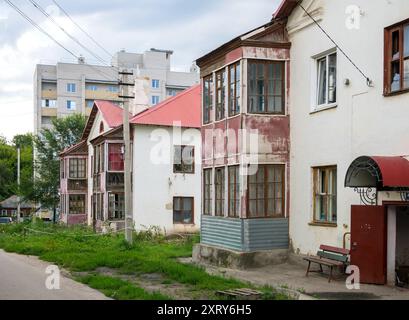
(332, 256)
(325, 262)
(334, 249)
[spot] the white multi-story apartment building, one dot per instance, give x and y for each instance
(67, 88)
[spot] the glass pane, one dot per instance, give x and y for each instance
(261, 104)
(278, 104)
(279, 207)
(260, 191)
(406, 74)
(260, 208)
(270, 207)
(252, 191)
(322, 81)
(406, 41)
(395, 45)
(395, 76)
(188, 204)
(252, 208)
(278, 190)
(278, 88)
(332, 78)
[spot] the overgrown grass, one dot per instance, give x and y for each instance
(78, 249)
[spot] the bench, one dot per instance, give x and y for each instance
(330, 257)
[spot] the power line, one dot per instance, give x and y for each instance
(79, 27)
(13, 6)
(38, 7)
(368, 80)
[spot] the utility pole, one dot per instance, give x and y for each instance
(125, 83)
(18, 184)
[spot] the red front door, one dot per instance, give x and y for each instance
(368, 243)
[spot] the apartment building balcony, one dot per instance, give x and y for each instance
(77, 185)
(49, 94)
(101, 95)
(48, 112)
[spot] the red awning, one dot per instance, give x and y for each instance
(379, 172)
(394, 170)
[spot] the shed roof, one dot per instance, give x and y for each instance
(12, 202)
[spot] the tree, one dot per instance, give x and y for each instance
(8, 159)
(64, 133)
(25, 143)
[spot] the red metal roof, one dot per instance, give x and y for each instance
(183, 108)
(112, 114)
(395, 171)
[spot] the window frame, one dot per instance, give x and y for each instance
(265, 199)
(315, 175)
(222, 185)
(182, 164)
(74, 165)
(209, 94)
(120, 201)
(84, 207)
(71, 105)
(232, 97)
(154, 99)
(316, 106)
(388, 59)
(220, 105)
(182, 198)
(266, 86)
(121, 167)
(207, 203)
(71, 87)
(155, 81)
(237, 184)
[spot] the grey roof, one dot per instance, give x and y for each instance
(11, 203)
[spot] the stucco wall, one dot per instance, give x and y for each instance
(155, 184)
(364, 121)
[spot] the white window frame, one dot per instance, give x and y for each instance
(155, 81)
(71, 105)
(71, 87)
(315, 82)
(153, 98)
(51, 103)
(92, 87)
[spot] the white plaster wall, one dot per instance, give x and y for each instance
(155, 184)
(364, 122)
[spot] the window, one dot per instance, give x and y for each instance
(219, 188)
(397, 58)
(99, 157)
(173, 92)
(77, 204)
(71, 105)
(220, 94)
(46, 103)
(77, 168)
(71, 87)
(98, 206)
(183, 210)
(234, 192)
(207, 98)
(47, 120)
(101, 127)
(325, 194)
(112, 89)
(62, 169)
(155, 100)
(207, 192)
(155, 84)
(184, 161)
(116, 210)
(92, 87)
(327, 80)
(266, 192)
(234, 89)
(116, 158)
(266, 87)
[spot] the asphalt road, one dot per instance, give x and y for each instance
(24, 278)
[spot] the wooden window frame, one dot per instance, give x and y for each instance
(74, 166)
(266, 93)
(233, 97)
(110, 218)
(207, 109)
(84, 207)
(193, 210)
(220, 88)
(283, 199)
(388, 59)
(223, 192)
(315, 173)
(121, 166)
(233, 212)
(210, 186)
(183, 169)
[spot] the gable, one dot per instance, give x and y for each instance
(299, 20)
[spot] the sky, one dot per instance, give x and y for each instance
(190, 28)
